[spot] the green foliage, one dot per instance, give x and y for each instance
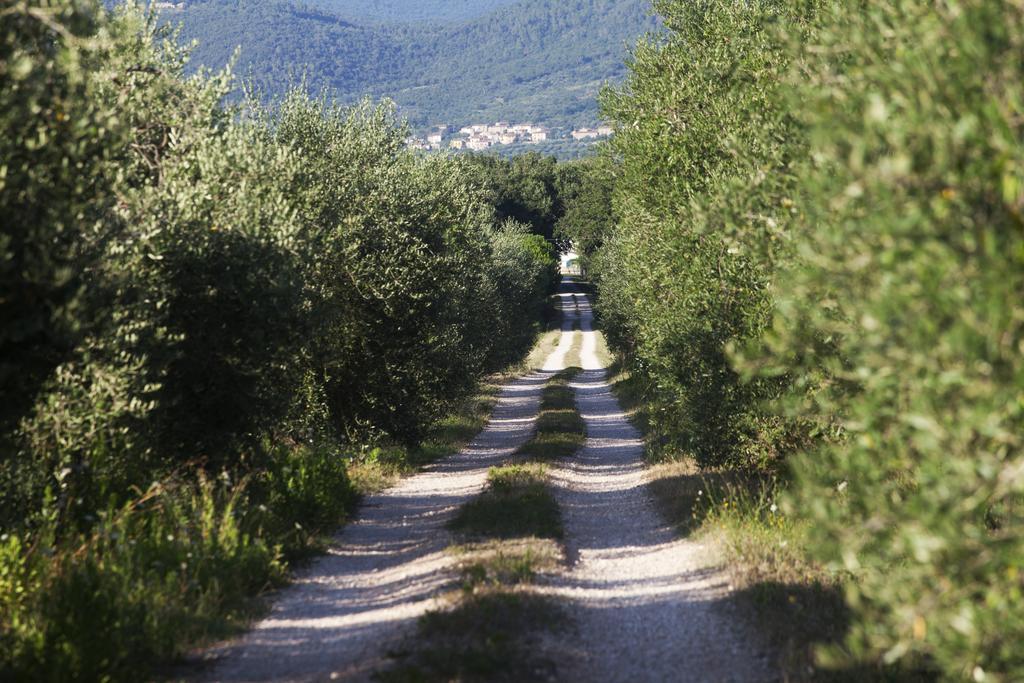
(57, 170)
(393, 245)
(150, 577)
(523, 268)
(818, 249)
(195, 295)
(702, 193)
(904, 327)
(541, 61)
(524, 189)
(306, 492)
(585, 189)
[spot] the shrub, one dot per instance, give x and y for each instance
(307, 492)
(585, 190)
(59, 151)
(59, 154)
(521, 273)
(392, 244)
(703, 197)
(198, 294)
(905, 322)
(524, 189)
(819, 249)
(151, 576)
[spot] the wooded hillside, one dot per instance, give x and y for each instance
(542, 61)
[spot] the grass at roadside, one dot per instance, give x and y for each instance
(632, 394)
(795, 602)
(378, 468)
(548, 338)
(546, 343)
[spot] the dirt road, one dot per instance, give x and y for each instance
(647, 605)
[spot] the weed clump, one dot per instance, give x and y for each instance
(517, 503)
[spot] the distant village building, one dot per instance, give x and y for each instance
(480, 136)
(419, 144)
(538, 133)
(591, 133)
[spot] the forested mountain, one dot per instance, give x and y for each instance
(534, 60)
(412, 10)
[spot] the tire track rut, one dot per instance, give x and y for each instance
(648, 605)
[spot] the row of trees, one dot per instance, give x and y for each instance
(816, 264)
(204, 311)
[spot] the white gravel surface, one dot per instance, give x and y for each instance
(556, 361)
(342, 614)
(648, 605)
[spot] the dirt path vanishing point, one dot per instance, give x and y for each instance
(648, 605)
(341, 615)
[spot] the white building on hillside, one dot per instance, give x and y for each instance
(571, 263)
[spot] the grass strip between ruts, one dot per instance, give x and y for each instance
(506, 536)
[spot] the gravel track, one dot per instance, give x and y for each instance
(340, 615)
(556, 361)
(648, 605)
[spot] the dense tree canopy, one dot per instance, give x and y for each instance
(815, 269)
(524, 188)
(208, 313)
(585, 190)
